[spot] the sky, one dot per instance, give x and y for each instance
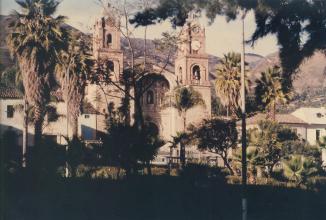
(221, 36)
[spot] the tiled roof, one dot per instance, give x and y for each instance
(9, 93)
(280, 118)
(13, 93)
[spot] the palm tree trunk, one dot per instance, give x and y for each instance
(274, 111)
(39, 119)
(139, 120)
(170, 160)
(74, 125)
(127, 104)
(182, 146)
(184, 118)
(25, 133)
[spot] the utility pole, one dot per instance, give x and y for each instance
(243, 116)
(67, 117)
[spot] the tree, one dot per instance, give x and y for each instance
(10, 150)
(182, 139)
(228, 83)
(185, 98)
(35, 39)
(75, 154)
(147, 146)
(140, 146)
(218, 136)
(270, 91)
(12, 77)
(270, 138)
(75, 63)
(298, 169)
(298, 25)
(252, 161)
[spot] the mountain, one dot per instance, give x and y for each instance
(311, 74)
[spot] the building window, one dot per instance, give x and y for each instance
(110, 66)
(150, 97)
(196, 72)
(51, 137)
(295, 130)
(109, 39)
(319, 115)
(180, 73)
(10, 111)
(317, 135)
(86, 116)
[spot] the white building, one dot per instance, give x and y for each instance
(11, 118)
(315, 123)
(308, 123)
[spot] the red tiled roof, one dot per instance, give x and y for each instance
(9, 93)
(280, 118)
(13, 93)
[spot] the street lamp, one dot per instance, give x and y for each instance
(243, 127)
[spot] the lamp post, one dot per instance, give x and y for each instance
(243, 127)
(67, 117)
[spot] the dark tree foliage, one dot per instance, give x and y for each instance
(301, 147)
(44, 160)
(271, 139)
(125, 146)
(75, 154)
(10, 150)
(299, 25)
(218, 136)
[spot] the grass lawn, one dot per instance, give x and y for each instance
(157, 197)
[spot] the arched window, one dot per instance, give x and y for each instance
(180, 73)
(150, 97)
(196, 72)
(109, 39)
(110, 66)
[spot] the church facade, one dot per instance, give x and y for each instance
(190, 69)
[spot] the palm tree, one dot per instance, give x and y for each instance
(35, 39)
(270, 90)
(298, 168)
(252, 158)
(185, 98)
(72, 70)
(179, 139)
(228, 83)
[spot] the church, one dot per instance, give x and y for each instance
(190, 69)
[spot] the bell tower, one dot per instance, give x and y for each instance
(191, 64)
(106, 41)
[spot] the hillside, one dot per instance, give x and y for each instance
(311, 74)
